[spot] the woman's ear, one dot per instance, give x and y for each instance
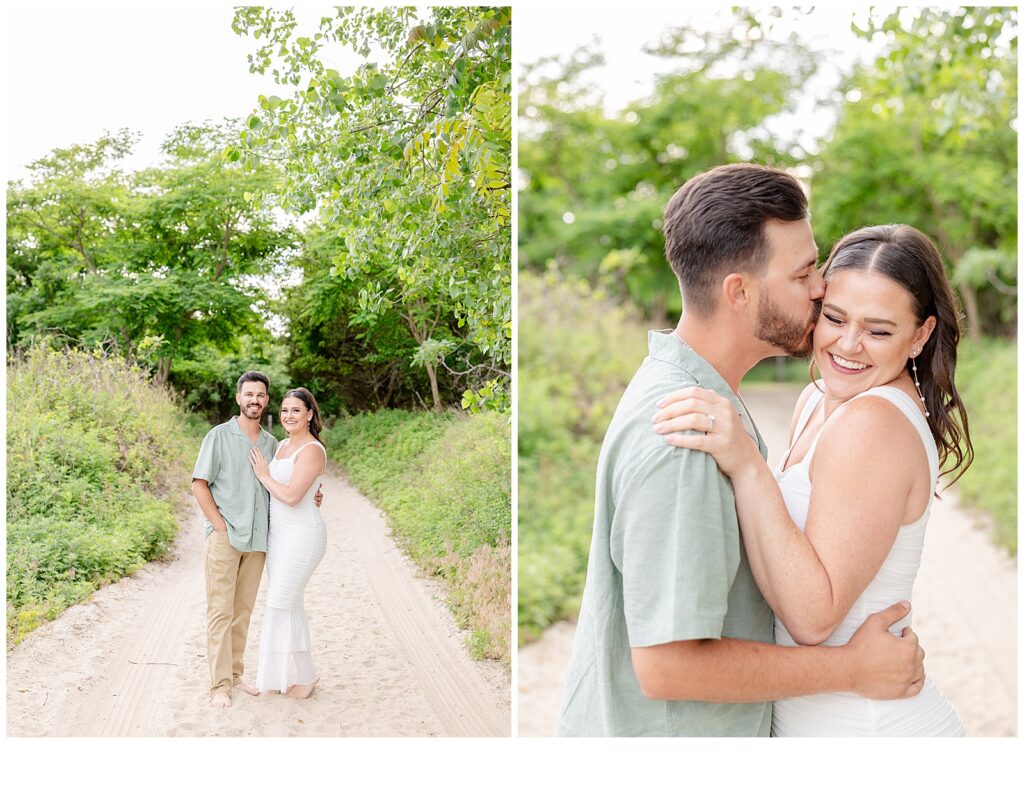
(924, 332)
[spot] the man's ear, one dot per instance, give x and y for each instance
(737, 292)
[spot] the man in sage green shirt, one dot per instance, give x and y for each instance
(674, 637)
(237, 510)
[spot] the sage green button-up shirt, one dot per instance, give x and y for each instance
(223, 462)
(666, 564)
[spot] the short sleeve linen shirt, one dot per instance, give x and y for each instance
(666, 564)
(223, 462)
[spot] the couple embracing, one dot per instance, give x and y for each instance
(259, 513)
(726, 599)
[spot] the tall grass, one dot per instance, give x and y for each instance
(94, 453)
(987, 381)
(444, 483)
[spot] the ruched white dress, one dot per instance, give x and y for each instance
(848, 714)
(296, 544)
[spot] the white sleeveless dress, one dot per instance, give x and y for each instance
(848, 714)
(295, 545)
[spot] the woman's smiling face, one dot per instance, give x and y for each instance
(866, 332)
(294, 415)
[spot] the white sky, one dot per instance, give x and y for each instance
(72, 73)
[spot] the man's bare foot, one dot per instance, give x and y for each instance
(303, 691)
(220, 700)
(245, 687)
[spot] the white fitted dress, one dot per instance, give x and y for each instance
(848, 714)
(296, 544)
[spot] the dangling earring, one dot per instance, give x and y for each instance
(917, 383)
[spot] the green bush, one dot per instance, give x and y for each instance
(987, 380)
(577, 352)
(444, 483)
(94, 453)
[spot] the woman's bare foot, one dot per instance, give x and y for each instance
(220, 700)
(245, 687)
(302, 691)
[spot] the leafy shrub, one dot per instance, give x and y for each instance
(445, 483)
(94, 453)
(577, 352)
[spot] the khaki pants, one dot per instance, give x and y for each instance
(232, 580)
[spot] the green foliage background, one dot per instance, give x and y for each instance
(578, 349)
(987, 380)
(96, 459)
(395, 289)
(924, 134)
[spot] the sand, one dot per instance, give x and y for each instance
(132, 660)
(965, 610)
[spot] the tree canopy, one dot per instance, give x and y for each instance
(925, 134)
(352, 234)
(159, 264)
(407, 164)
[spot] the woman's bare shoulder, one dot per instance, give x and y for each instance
(312, 451)
(871, 425)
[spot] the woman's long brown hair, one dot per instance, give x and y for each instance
(910, 259)
(303, 394)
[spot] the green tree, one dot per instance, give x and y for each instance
(63, 225)
(927, 136)
(157, 264)
(363, 360)
(408, 162)
(595, 182)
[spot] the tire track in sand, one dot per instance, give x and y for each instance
(438, 661)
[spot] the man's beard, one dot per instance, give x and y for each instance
(253, 412)
(783, 332)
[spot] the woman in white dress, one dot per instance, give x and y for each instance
(295, 545)
(836, 532)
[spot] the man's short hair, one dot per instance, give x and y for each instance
(714, 225)
(252, 375)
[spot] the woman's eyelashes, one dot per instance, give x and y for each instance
(840, 322)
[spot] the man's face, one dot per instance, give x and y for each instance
(252, 399)
(790, 289)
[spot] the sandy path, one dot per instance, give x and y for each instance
(132, 661)
(965, 610)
